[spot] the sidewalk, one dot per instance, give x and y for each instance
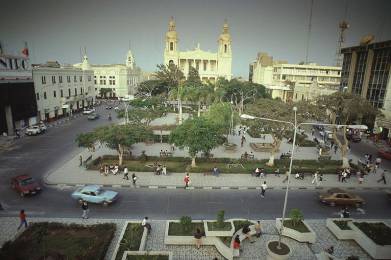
(71, 174)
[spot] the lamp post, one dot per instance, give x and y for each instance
(295, 127)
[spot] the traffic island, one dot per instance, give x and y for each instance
(340, 228)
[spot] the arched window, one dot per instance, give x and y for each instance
(171, 46)
(225, 48)
(170, 62)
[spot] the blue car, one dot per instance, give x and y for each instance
(95, 194)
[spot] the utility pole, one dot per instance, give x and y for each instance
(309, 33)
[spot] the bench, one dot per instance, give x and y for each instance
(87, 160)
(242, 237)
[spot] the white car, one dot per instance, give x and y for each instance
(88, 111)
(33, 130)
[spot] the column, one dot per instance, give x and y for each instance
(367, 74)
(9, 120)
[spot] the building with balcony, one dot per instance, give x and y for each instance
(61, 90)
(366, 72)
(210, 65)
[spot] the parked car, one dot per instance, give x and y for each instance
(95, 194)
(33, 130)
(93, 116)
(88, 111)
(386, 154)
(25, 185)
(336, 196)
(354, 138)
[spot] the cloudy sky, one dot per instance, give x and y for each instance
(57, 29)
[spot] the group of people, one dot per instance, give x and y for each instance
(165, 153)
(259, 172)
(107, 169)
(317, 178)
(161, 169)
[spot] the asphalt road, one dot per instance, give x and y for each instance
(38, 155)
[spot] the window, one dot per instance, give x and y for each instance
(171, 46)
(37, 94)
(53, 79)
(75, 91)
(81, 78)
(43, 80)
(225, 48)
(68, 79)
(74, 79)
(205, 65)
(69, 92)
(59, 79)
(44, 95)
(54, 93)
(111, 80)
(170, 62)
(61, 93)
(81, 90)
(89, 78)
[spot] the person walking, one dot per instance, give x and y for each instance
(126, 173)
(84, 207)
(344, 176)
(258, 229)
(22, 217)
(145, 224)
(80, 161)
(216, 171)
(315, 179)
(286, 177)
(164, 171)
(335, 149)
(134, 179)
(277, 172)
(187, 180)
(197, 237)
(243, 139)
(263, 189)
(383, 177)
(320, 179)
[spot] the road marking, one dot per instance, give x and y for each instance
(208, 188)
(225, 188)
(171, 187)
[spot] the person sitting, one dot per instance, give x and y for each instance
(236, 243)
(257, 172)
(330, 250)
(115, 169)
(246, 231)
(159, 170)
(299, 175)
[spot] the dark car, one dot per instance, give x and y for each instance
(340, 197)
(354, 138)
(25, 185)
(386, 154)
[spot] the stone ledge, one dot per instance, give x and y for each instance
(309, 237)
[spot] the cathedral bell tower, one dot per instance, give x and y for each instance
(171, 49)
(224, 53)
(129, 60)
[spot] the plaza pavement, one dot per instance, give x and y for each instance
(70, 174)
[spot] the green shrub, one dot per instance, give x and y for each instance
(185, 222)
(220, 218)
(296, 216)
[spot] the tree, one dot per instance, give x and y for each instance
(344, 108)
(120, 137)
(222, 115)
(198, 134)
(152, 87)
(87, 140)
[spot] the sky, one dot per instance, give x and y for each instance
(58, 29)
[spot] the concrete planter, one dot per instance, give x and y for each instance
(273, 255)
(218, 233)
(339, 233)
(230, 146)
(309, 237)
(374, 250)
(147, 253)
(142, 243)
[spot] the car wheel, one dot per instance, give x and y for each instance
(105, 203)
(22, 194)
(332, 204)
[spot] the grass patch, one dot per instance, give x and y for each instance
(60, 241)
(214, 226)
(226, 240)
(176, 229)
(342, 224)
(300, 227)
(147, 257)
(241, 223)
(378, 232)
(131, 239)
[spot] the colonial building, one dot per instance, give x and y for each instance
(210, 65)
(366, 71)
(18, 107)
(304, 78)
(62, 90)
(115, 80)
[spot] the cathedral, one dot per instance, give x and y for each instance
(210, 65)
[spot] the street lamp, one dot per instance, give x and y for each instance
(295, 127)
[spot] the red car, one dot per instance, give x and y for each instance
(384, 154)
(25, 185)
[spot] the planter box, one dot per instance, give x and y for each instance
(146, 253)
(261, 147)
(340, 233)
(309, 237)
(374, 250)
(273, 256)
(219, 233)
(142, 243)
(230, 147)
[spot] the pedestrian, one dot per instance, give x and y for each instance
(360, 177)
(216, 171)
(106, 170)
(375, 168)
(339, 175)
(378, 161)
(258, 229)
(286, 177)
(331, 144)
(344, 176)
(320, 179)
(243, 139)
(84, 207)
(313, 132)
(263, 189)
(383, 177)
(80, 160)
(126, 173)
(277, 172)
(134, 179)
(257, 172)
(197, 237)
(262, 173)
(315, 179)
(172, 147)
(236, 243)
(164, 170)
(345, 213)
(145, 224)
(22, 217)
(187, 180)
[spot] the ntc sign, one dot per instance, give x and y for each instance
(13, 63)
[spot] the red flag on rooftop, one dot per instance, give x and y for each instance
(25, 50)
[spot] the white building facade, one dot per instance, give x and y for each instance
(62, 90)
(118, 80)
(210, 65)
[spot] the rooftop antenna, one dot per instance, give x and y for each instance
(343, 26)
(81, 54)
(309, 33)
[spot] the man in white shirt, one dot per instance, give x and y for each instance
(263, 189)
